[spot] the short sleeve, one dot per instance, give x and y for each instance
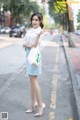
(38, 31)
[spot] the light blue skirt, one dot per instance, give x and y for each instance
(30, 69)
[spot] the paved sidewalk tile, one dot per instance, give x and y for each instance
(77, 40)
(74, 55)
(74, 52)
(73, 59)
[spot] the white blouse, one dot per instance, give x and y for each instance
(31, 35)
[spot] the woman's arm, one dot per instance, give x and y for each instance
(37, 40)
(35, 44)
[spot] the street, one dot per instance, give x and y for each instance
(55, 81)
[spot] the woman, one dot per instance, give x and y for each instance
(32, 40)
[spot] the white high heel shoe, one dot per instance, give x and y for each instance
(31, 110)
(40, 113)
(35, 105)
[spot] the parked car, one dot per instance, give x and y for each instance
(5, 30)
(23, 30)
(77, 32)
(15, 32)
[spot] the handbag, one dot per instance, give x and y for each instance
(34, 57)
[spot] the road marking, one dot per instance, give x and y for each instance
(51, 115)
(11, 79)
(21, 69)
(53, 92)
(7, 84)
(70, 118)
(54, 87)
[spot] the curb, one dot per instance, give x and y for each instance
(73, 79)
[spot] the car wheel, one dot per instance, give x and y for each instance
(22, 36)
(10, 35)
(19, 35)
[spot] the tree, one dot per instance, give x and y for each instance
(20, 8)
(62, 13)
(57, 9)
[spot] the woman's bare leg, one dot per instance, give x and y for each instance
(32, 91)
(35, 90)
(33, 96)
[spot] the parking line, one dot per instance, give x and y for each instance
(71, 118)
(54, 88)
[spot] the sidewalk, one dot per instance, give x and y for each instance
(73, 60)
(7, 41)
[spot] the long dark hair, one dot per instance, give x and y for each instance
(40, 17)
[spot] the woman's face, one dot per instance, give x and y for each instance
(35, 22)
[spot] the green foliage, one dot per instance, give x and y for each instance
(60, 7)
(57, 8)
(78, 27)
(78, 20)
(20, 9)
(47, 24)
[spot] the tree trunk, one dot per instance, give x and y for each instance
(70, 27)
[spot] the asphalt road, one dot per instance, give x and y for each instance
(55, 82)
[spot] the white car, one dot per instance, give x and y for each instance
(77, 32)
(5, 30)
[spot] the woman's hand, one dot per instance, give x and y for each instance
(41, 32)
(27, 46)
(24, 46)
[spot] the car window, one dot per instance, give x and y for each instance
(16, 29)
